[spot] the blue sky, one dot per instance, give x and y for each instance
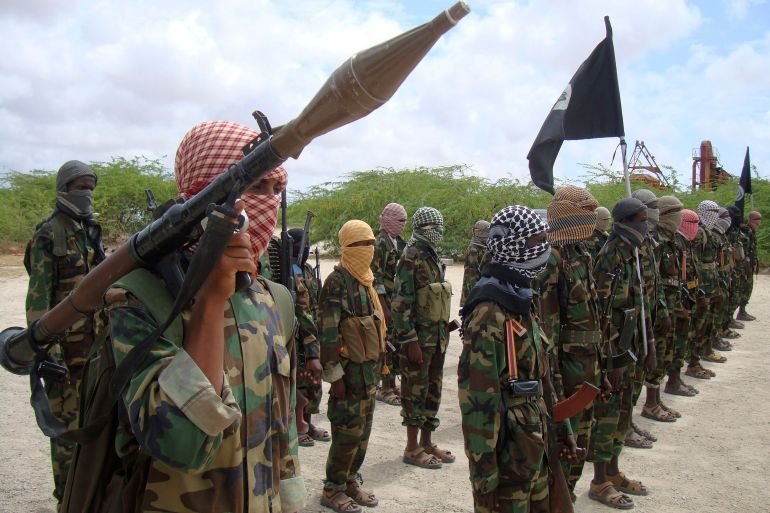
(94, 79)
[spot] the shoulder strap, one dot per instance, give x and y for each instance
(151, 291)
(285, 304)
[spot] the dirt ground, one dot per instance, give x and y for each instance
(713, 459)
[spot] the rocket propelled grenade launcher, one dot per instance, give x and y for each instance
(360, 85)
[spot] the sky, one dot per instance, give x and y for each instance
(91, 79)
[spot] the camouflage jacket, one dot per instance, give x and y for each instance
(648, 257)
(669, 252)
(617, 256)
(338, 302)
(53, 277)
(304, 309)
(202, 451)
(384, 263)
(749, 239)
(723, 259)
(419, 266)
(313, 288)
(506, 449)
(596, 242)
(474, 256)
(569, 304)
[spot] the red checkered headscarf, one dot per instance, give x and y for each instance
(206, 151)
(689, 226)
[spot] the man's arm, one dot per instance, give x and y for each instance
(41, 275)
(404, 299)
(329, 317)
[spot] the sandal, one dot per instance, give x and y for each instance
(731, 334)
(362, 496)
(420, 458)
(736, 325)
(715, 357)
(444, 455)
(637, 441)
(319, 434)
(339, 502)
(305, 440)
(698, 372)
(745, 316)
(388, 396)
(625, 485)
(672, 411)
(609, 496)
(682, 389)
(643, 432)
(658, 413)
(722, 345)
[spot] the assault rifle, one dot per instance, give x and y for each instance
(558, 491)
(627, 357)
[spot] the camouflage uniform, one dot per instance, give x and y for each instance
(686, 313)
(386, 255)
(51, 279)
(596, 242)
(343, 297)
(704, 253)
(610, 430)
(473, 258)
(736, 272)
(724, 266)
(506, 451)
(308, 347)
(571, 321)
(669, 262)
(234, 452)
(420, 383)
(648, 259)
(749, 265)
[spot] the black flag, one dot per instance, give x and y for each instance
(588, 108)
(744, 186)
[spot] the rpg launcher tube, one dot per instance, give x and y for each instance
(362, 84)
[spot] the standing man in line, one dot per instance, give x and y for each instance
(473, 258)
(708, 211)
(570, 310)
(751, 263)
(601, 231)
(388, 246)
(64, 248)
(616, 262)
(421, 308)
(352, 332)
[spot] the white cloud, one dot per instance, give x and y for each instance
(101, 79)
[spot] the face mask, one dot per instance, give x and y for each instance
(78, 203)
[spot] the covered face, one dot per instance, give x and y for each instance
(428, 226)
(206, 151)
(571, 215)
(77, 202)
(393, 219)
(602, 219)
(513, 240)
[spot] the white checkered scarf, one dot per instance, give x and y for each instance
(427, 226)
(507, 240)
(709, 213)
(206, 151)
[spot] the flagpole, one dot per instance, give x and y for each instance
(623, 149)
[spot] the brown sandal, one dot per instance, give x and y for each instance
(625, 485)
(419, 458)
(339, 502)
(305, 440)
(698, 372)
(644, 433)
(670, 410)
(444, 455)
(637, 441)
(388, 396)
(362, 496)
(658, 413)
(609, 496)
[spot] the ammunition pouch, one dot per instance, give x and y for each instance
(434, 301)
(691, 284)
(580, 338)
(670, 282)
(361, 338)
(518, 388)
(739, 254)
(709, 266)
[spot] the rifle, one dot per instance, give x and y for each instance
(286, 249)
(317, 271)
(558, 491)
(359, 86)
(151, 203)
(303, 242)
(627, 357)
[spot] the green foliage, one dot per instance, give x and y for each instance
(28, 198)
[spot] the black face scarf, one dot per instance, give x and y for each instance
(296, 235)
(633, 232)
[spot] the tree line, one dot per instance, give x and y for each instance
(26, 198)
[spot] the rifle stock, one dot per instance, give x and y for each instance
(558, 491)
(576, 403)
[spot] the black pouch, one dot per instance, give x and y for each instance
(628, 332)
(524, 388)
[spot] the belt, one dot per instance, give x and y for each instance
(580, 337)
(709, 266)
(511, 400)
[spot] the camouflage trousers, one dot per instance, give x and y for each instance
(421, 388)
(605, 428)
(682, 341)
(351, 424)
(578, 366)
(630, 388)
(530, 497)
(638, 376)
(64, 400)
(391, 363)
(313, 393)
(699, 330)
(746, 288)
(665, 343)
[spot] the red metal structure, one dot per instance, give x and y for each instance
(707, 172)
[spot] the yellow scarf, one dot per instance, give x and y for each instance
(357, 260)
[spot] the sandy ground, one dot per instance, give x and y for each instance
(712, 460)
